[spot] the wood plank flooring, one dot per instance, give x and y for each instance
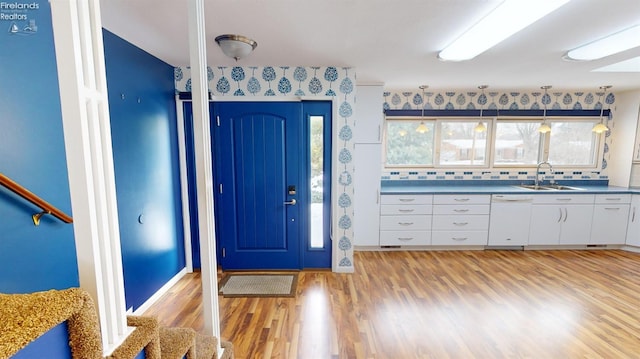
(437, 304)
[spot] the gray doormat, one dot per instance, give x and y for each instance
(258, 285)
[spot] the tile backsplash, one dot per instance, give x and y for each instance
(485, 174)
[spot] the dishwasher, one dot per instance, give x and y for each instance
(509, 220)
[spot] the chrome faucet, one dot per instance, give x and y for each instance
(537, 182)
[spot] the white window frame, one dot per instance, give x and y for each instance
(492, 121)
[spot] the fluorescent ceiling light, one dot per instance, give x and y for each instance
(618, 42)
(631, 65)
(505, 20)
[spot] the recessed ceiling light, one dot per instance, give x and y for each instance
(614, 43)
(505, 20)
(630, 65)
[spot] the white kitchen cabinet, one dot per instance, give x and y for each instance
(633, 225)
(561, 219)
(460, 220)
(405, 220)
(610, 216)
(509, 220)
(369, 114)
(367, 194)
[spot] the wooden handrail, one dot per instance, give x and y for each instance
(46, 207)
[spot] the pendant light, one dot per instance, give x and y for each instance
(544, 126)
(480, 127)
(601, 127)
(422, 128)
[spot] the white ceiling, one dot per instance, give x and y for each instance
(394, 42)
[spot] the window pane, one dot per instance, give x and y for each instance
(460, 144)
(409, 143)
(573, 143)
(517, 143)
(317, 174)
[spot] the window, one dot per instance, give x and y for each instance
(517, 143)
(408, 143)
(461, 144)
(572, 143)
(505, 142)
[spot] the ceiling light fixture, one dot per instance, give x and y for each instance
(480, 127)
(630, 65)
(544, 126)
(614, 43)
(236, 46)
(422, 128)
(505, 20)
(601, 127)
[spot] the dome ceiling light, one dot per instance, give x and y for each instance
(236, 46)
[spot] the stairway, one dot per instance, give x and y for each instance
(168, 343)
(28, 316)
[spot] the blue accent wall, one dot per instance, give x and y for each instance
(145, 149)
(32, 153)
(49, 345)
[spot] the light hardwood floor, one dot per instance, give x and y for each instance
(437, 304)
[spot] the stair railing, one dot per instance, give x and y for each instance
(45, 206)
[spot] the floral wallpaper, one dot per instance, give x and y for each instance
(338, 82)
(500, 100)
(497, 100)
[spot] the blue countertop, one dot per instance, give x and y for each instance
(499, 187)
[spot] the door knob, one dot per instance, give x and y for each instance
(291, 203)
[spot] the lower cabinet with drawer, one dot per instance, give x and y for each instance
(550, 219)
(405, 220)
(460, 220)
(610, 216)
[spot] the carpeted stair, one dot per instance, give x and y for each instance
(27, 316)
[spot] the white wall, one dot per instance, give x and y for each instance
(623, 135)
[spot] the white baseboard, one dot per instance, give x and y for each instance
(631, 249)
(164, 289)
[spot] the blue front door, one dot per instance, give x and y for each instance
(259, 183)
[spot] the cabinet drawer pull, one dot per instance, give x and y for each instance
(460, 223)
(564, 199)
(612, 208)
(405, 238)
(461, 199)
(459, 238)
(405, 223)
(461, 210)
(406, 210)
(633, 218)
(613, 199)
(406, 199)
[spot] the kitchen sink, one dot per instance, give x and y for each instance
(534, 187)
(549, 187)
(561, 187)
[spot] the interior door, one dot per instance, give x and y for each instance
(258, 172)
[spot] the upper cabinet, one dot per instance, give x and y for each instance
(369, 114)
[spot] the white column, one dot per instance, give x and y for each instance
(85, 116)
(204, 176)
